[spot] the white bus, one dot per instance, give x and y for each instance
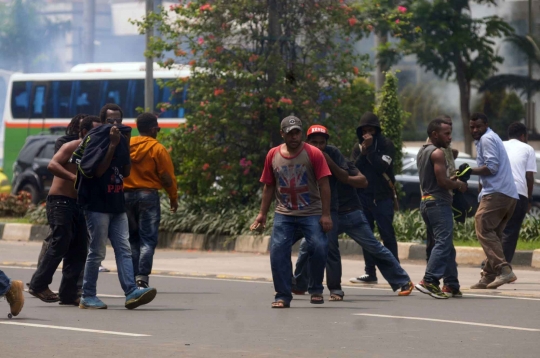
(36, 102)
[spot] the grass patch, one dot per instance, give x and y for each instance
(522, 245)
(11, 220)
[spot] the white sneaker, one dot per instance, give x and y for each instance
(103, 269)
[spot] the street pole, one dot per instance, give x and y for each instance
(530, 107)
(149, 79)
(89, 13)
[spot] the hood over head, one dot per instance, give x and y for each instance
(368, 119)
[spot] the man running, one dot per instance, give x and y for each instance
(152, 170)
(498, 199)
(67, 239)
(297, 174)
(436, 210)
(348, 217)
(523, 166)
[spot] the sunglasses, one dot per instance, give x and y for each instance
(114, 120)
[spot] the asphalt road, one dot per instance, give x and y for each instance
(203, 317)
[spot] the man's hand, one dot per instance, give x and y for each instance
(463, 186)
(326, 223)
(259, 224)
(368, 140)
(114, 136)
(173, 205)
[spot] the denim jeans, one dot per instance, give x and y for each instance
(382, 213)
(333, 262)
(437, 215)
(67, 240)
(115, 227)
(284, 234)
(5, 283)
(144, 214)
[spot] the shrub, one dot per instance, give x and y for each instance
(38, 215)
(15, 205)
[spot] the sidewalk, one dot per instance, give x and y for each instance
(257, 267)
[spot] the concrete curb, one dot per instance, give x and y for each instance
(261, 244)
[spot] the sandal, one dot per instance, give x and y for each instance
(46, 295)
(280, 304)
(316, 299)
(336, 297)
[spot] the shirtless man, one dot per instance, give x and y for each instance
(68, 234)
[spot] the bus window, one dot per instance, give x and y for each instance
(115, 91)
(38, 104)
(20, 100)
(58, 99)
(138, 97)
(87, 97)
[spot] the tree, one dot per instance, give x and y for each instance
(453, 44)
(26, 38)
(502, 109)
(253, 63)
(392, 117)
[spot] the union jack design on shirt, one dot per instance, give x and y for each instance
(293, 186)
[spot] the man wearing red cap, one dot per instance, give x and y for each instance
(297, 174)
(347, 217)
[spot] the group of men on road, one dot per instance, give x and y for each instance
(105, 186)
(319, 195)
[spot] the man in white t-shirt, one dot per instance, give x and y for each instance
(523, 163)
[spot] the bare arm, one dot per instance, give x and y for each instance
(324, 189)
(482, 171)
(114, 136)
(455, 153)
(267, 196)
(529, 176)
(357, 181)
(61, 158)
(439, 167)
(339, 173)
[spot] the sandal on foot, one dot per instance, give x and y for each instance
(336, 297)
(280, 304)
(316, 299)
(46, 295)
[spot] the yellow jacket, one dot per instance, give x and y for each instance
(151, 167)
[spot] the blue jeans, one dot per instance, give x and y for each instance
(5, 283)
(284, 234)
(144, 214)
(355, 225)
(381, 212)
(115, 227)
(333, 262)
(438, 216)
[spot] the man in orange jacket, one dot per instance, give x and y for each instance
(151, 170)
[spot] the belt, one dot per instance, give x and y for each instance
(428, 197)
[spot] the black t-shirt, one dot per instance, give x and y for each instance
(341, 162)
(348, 196)
(104, 194)
(63, 140)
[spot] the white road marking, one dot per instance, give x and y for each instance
(448, 321)
(76, 329)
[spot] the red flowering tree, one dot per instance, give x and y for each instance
(253, 63)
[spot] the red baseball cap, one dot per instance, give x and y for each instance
(318, 129)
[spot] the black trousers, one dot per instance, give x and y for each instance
(67, 240)
(513, 227)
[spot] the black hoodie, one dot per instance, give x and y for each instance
(378, 159)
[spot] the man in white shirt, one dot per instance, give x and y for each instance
(523, 164)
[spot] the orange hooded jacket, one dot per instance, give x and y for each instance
(151, 166)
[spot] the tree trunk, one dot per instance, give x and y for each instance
(380, 39)
(274, 35)
(464, 104)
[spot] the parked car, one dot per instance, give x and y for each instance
(30, 172)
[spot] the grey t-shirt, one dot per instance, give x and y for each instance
(428, 181)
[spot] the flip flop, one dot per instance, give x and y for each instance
(280, 304)
(336, 297)
(317, 302)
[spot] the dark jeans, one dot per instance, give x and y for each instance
(5, 283)
(333, 262)
(355, 225)
(144, 214)
(513, 227)
(284, 233)
(437, 215)
(67, 240)
(381, 212)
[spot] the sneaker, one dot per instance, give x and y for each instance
(15, 297)
(142, 284)
(506, 276)
(139, 297)
(452, 292)
(92, 303)
(364, 279)
(103, 269)
(406, 289)
(430, 289)
(483, 283)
